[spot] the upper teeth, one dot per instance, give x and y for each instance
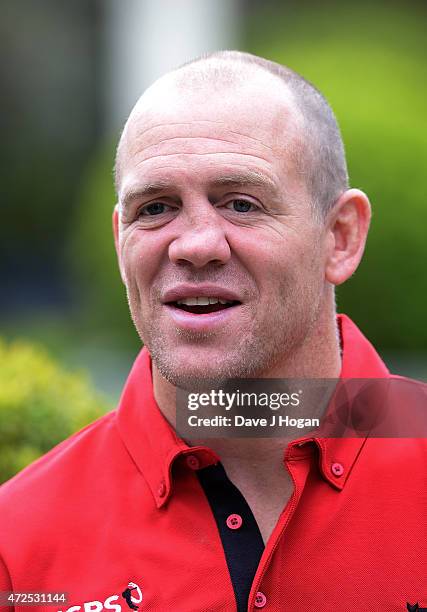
(202, 301)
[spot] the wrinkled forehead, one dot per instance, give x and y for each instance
(252, 104)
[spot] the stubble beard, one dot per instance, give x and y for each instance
(270, 341)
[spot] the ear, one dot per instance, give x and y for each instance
(348, 225)
(116, 223)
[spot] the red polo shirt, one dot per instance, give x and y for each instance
(117, 518)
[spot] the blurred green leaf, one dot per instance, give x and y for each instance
(40, 404)
(92, 258)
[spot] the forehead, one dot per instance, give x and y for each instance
(252, 121)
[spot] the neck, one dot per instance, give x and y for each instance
(318, 357)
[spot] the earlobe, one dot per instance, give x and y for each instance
(116, 226)
(116, 223)
(348, 228)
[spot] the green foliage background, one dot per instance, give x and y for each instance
(41, 404)
(92, 262)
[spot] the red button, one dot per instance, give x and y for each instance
(260, 600)
(234, 521)
(161, 491)
(192, 462)
(337, 469)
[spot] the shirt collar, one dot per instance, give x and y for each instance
(154, 446)
(359, 360)
(147, 435)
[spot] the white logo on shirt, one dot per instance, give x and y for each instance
(132, 596)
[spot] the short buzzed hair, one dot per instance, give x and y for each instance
(320, 158)
(322, 161)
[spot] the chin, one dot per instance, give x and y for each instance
(195, 379)
(188, 365)
(198, 375)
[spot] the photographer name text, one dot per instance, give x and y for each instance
(241, 421)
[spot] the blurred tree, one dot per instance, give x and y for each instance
(40, 405)
(98, 288)
(49, 121)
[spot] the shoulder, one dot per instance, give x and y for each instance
(57, 476)
(52, 514)
(408, 383)
(398, 422)
(408, 390)
(390, 393)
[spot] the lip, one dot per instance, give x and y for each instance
(201, 290)
(209, 321)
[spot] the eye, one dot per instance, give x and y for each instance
(241, 206)
(153, 209)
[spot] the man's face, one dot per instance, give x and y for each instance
(212, 207)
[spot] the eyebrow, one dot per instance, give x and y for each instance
(248, 177)
(143, 190)
(235, 179)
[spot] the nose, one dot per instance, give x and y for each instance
(202, 241)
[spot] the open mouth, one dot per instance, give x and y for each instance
(203, 305)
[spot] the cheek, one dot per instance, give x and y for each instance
(283, 268)
(261, 253)
(141, 257)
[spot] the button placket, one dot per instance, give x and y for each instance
(192, 462)
(234, 521)
(161, 491)
(337, 469)
(260, 600)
